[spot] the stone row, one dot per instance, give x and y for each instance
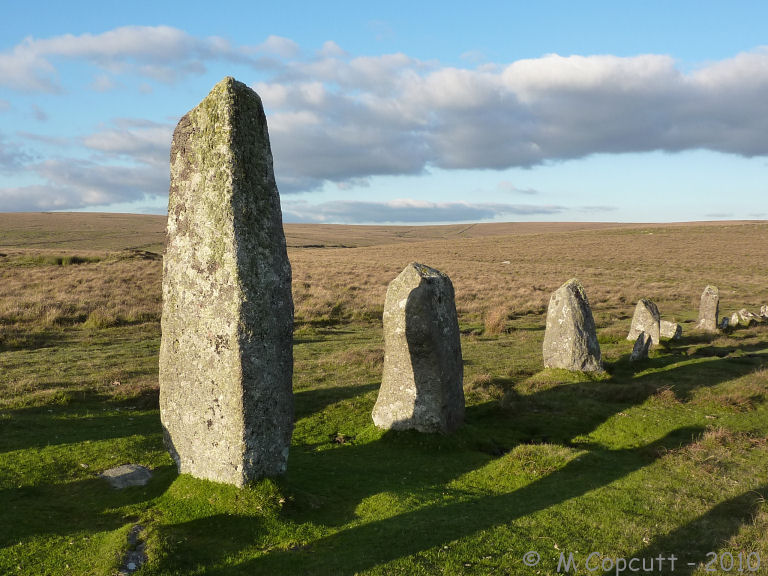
(226, 353)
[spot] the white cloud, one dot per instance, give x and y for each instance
(129, 162)
(506, 186)
(407, 210)
(279, 46)
(159, 52)
(12, 157)
(335, 117)
(396, 115)
(74, 183)
(135, 139)
(103, 83)
(331, 50)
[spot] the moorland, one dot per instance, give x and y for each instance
(666, 456)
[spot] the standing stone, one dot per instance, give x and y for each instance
(422, 382)
(671, 330)
(646, 319)
(570, 339)
(735, 320)
(764, 310)
(641, 348)
(226, 358)
(709, 309)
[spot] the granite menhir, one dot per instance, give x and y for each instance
(570, 338)
(226, 358)
(422, 381)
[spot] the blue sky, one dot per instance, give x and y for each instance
(402, 112)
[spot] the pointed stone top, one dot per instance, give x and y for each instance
(228, 88)
(574, 285)
(229, 84)
(424, 271)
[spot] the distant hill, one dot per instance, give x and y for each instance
(102, 231)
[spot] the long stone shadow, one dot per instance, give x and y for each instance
(39, 427)
(706, 534)
(675, 352)
(16, 339)
(562, 412)
(360, 548)
(352, 473)
(329, 484)
(315, 400)
(88, 505)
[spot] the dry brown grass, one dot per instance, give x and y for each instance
(499, 271)
(714, 450)
(495, 320)
(117, 289)
(618, 266)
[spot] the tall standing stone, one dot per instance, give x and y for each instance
(226, 359)
(646, 319)
(709, 309)
(570, 339)
(422, 381)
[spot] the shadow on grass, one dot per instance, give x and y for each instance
(38, 427)
(708, 533)
(327, 486)
(16, 339)
(315, 400)
(330, 483)
(363, 547)
(90, 505)
(562, 412)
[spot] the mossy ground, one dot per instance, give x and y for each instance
(667, 456)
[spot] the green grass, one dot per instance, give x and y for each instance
(664, 456)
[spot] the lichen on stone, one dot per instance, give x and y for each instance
(226, 348)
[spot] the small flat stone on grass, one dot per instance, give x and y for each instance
(127, 475)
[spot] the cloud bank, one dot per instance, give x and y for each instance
(407, 210)
(335, 117)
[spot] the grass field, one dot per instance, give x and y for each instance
(663, 457)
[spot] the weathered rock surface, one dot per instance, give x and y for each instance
(646, 319)
(570, 339)
(422, 381)
(226, 358)
(735, 320)
(748, 318)
(671, 330)
(709, 309)
(764, 310)
(641, 348)
(127, 475)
